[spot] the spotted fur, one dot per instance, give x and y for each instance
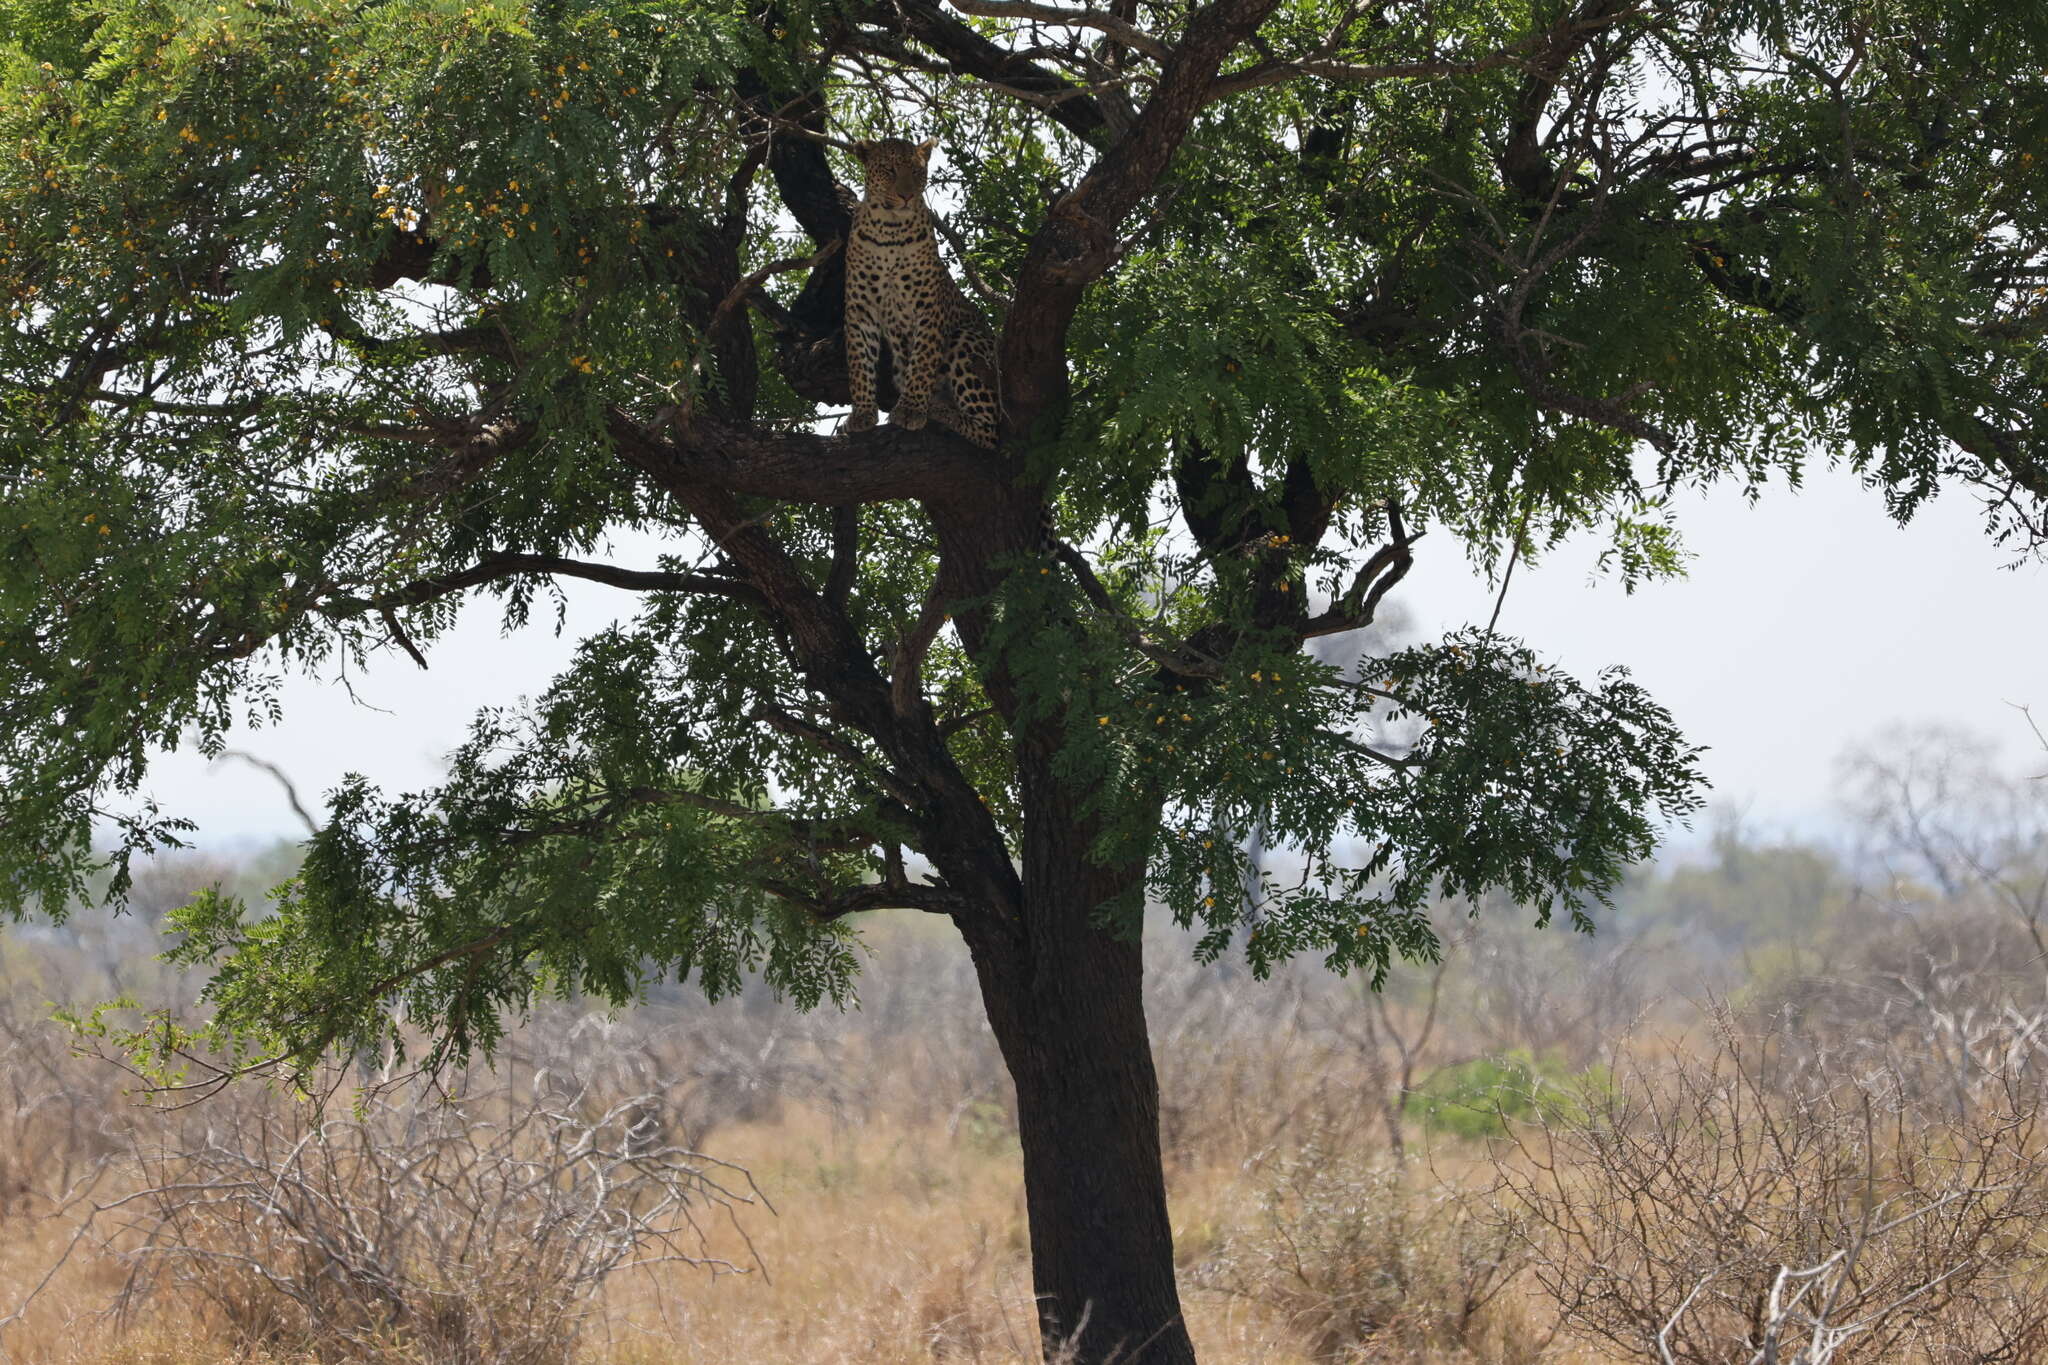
(898, 290)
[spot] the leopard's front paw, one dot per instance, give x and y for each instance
(909, 416)
(859, 421)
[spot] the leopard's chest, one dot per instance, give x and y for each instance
(892, 266)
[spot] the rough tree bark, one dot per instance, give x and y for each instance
(1064, 996)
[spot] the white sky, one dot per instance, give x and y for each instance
(1807, 624)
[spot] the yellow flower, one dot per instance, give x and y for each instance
(187, 134)
(1102, 720)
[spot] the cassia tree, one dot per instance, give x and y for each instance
(325, 318)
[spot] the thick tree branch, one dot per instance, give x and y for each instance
(906, 669)
(1376, 578)
(509, 564)
(1328, 68)
(1522, 163)
(807, 188)
(845, 555)
(1218, 501)
(1074, 245)
(1124, 31)
(970, 54)
(726, 333)
(831, 903)
(882, 465)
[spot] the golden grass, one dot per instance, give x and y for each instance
(889, 1245)
(898, 1231)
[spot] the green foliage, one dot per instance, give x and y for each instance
(1478, 1099)
(1467, 766)
(321, 316)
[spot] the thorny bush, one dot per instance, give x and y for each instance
(1725, 1208)
(470, 1231)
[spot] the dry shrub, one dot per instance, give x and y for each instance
(1240, 1064)
(1714, 1212)
(1370, 1261)
(58, 1121)
(1946, 1003)
(457, 1232)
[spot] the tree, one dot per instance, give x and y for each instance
(326, 317)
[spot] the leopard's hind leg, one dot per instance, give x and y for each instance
(965, 399)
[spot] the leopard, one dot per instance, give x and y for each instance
(899, 291)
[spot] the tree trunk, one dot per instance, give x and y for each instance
(1066, 1006)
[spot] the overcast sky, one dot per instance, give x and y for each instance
(1807, 624)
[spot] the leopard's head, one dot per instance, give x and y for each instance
(895, 168)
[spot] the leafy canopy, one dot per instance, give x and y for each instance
(323, 317)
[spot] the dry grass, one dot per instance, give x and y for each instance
(890, 1246)
(891, 1243)
(897, 1242)
(896, 1247)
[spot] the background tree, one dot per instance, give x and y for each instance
(325, 317)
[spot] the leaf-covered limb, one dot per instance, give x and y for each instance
(839, 746)
(959, 834)
(1359, 604)
(1326, 62)
(1488, 771)
(1177, 658)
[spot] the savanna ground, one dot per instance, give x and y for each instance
(1787, 1098)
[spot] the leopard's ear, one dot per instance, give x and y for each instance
(924, 149)
(862, 151)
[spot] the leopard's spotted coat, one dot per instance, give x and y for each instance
(898, 290)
